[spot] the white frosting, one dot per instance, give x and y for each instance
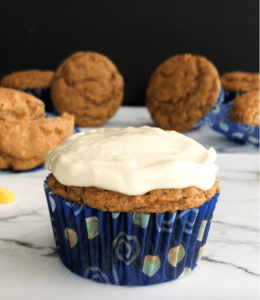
(132, 161)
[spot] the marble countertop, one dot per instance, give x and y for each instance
(229, 268)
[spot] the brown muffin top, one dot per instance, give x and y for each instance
(17, 105)
(31, 79)
(181, 91)
(245, 109)
(240, 81)
(24, 144)
(88, 85)
(156, 201)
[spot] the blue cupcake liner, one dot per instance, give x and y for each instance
(229, 95)
(203, 121)
(44, 95)
(38, 168)
(219, 120)
(123, 249)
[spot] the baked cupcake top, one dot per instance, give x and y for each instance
(245, 109)
(31, 79)
(240, 81)
(181, 91)
(132, 161)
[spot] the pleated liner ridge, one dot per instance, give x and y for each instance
(123, 249)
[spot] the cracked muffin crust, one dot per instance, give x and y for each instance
(240, 81)
(24, 143)
(17, 105)
(31, 79)
(155, 201)
(181, 91)
(88, 85)
(245, 109)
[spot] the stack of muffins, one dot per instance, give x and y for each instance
(237, 117)
(243, 88)
(87, 87)
(184, 92)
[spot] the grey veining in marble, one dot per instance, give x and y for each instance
(229, 269)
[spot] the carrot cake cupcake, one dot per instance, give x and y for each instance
(131, 206)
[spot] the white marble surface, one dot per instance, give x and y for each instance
(31, 269)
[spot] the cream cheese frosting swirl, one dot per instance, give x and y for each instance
(132, 161)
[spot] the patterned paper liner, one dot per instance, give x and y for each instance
(229, 95)
(44, 95)
(203, 121)
(123, 249)
(38, 168)
(219, 120)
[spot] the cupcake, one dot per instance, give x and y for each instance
(89, 86)
(182, 91)
(35, 82)
(238, 83)
(237, 118)
(131, 206)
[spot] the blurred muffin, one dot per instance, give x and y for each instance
(17, 105)
(25, 135)
(23, 145)
(31, 79)
(88, 85)
(181, 92)
(35, 82)
(240, 82)
(245, 109)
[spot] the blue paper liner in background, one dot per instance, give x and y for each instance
(229, 96)
(219, 120)
(203, 121)
(122, 249)
(38, 168)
